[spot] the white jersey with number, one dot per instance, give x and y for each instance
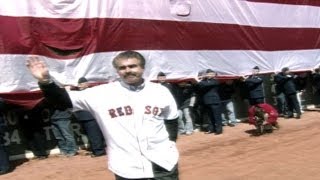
(132, 122)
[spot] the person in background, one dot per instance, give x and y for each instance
(280, 98)
(90, 125)
(226, 90)
(188, 101)
(316, 85)
(32, 128)
(61, 127)
(264, 117)
(176, 92)
(173, 88)
(208, 88)
(4, 156)
(286, 82)
(254, 84)
(201, 119)
(301, 81)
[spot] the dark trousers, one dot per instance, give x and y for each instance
(200, 117)
(293, 104)
(95, 137)
(281, 103)
(34, 134)
(254, 101)
(214, 111)
(159, 174)
(4, 156)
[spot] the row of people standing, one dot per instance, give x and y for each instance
(201, 95)
(214, 97)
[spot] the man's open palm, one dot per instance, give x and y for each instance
(38, 68)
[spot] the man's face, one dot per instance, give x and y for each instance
(129, 70)
(211, 75)
(161, 79)
(255, 71)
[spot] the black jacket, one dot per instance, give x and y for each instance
(286, 83)
(208, 91)
(226, 91)
(300, 83)
(255, 87)
(316, 81)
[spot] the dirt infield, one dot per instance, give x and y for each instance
(292, 153)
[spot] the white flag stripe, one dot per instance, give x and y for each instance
(212, 11)
(178, 64)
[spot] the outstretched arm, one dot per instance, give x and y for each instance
(53, 93)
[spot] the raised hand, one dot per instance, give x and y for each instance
(38, 68)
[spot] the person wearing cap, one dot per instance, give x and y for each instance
(316, 85)
(285, 80)
(90, 125)
(226, 92)
(254, 84)
(175, 90)
(208, 89)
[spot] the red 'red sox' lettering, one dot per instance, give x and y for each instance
(120, 111)
(127, 111)
(153, 110)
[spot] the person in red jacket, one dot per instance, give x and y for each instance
(264, 117)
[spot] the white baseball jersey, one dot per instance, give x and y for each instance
(132, 122)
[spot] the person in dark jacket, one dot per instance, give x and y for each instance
(188, 102)
(208, 89)
(280, 98)
(226, 91)
(32, 127)
(4, 156)
(173, 88)
(90, 125)
(254, 84)
(286, 82)
(301, 82)
(316, 85)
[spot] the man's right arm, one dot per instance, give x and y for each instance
(53, 93)
(56, 95)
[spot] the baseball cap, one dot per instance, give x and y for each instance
(210, 71)
(284, 69)
(256, 67)
(161, 74)
(82, 80)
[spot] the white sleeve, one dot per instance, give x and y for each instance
(78, 99)
(171, 110)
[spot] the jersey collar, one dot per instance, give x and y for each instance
(133, 88)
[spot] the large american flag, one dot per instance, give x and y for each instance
(179, 37)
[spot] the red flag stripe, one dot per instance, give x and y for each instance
(79, 37)
(292, 2)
